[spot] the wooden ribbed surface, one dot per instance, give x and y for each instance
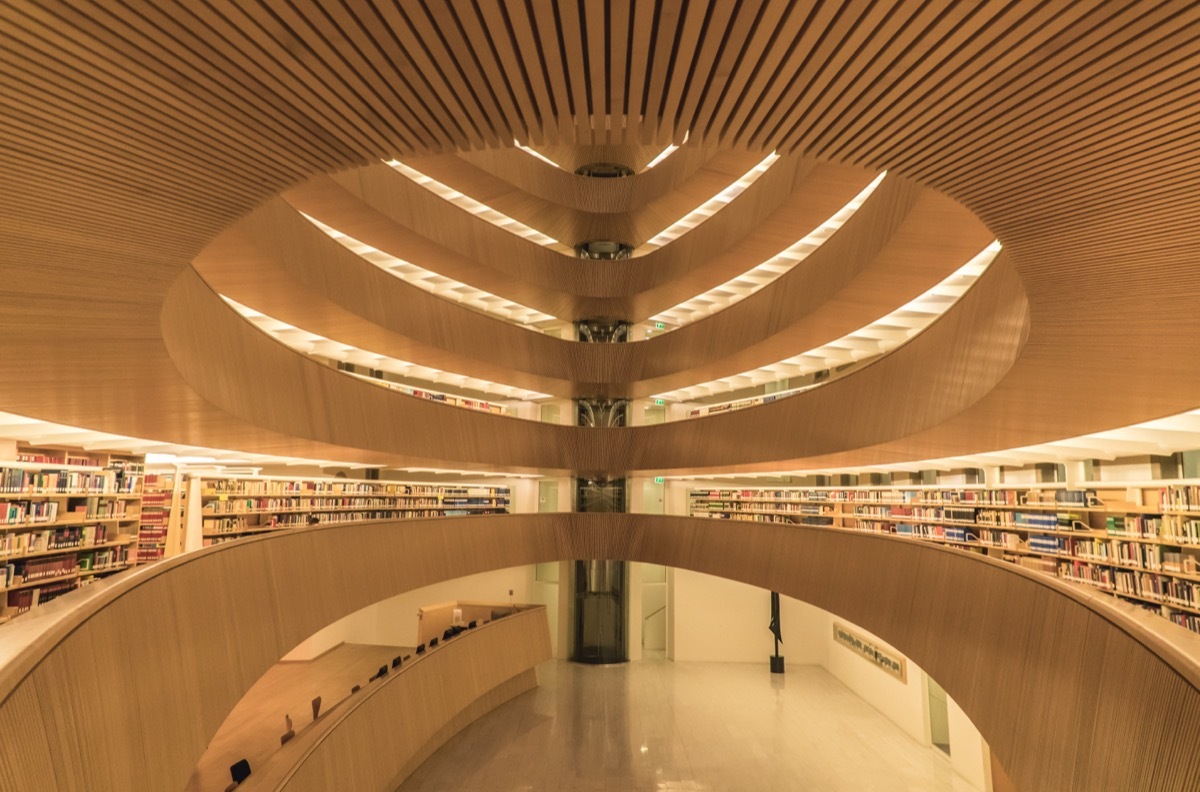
(132, 135)
(562, 187)
(891, 251)
(1072, 690)
(975, 343)
(376, 740)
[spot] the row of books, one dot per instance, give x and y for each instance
(18, 572)
(1180, 497)
(22, 600)
(19, 512)
(149, 553)
(935, 498)
(56, 458)
(234, 486)
(106, 558)
(64, 538)
(62, 482)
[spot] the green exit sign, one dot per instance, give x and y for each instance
(659, 479)
(660, 326)
(659, 402)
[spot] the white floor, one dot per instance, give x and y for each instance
(706, 727)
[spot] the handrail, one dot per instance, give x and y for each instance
(164, 654)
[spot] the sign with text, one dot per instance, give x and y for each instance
(890, 662)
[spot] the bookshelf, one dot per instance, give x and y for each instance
(1138, 542)
(160, 529)
(67, 518)
(222, 509)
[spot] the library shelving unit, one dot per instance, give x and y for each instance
(1139, 542)
(221, 509)
(66, 519)
(161, 526)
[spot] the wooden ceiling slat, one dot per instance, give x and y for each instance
(1066, 127)
(641, 37)
(487, 26)
(308, 56)
(573, 45)
(443, 34)
(725, 27)
(678, 81)
(907, 28)
(545, 19)
(779, 22)
(214, 63)
(597, 54)
(130, 97)
(962, 45)
(365, 56)
(976, 71)
(665, 35)
(831, 36)
(618, 56)
(1021, 101)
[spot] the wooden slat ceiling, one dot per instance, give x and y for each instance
(132, 135)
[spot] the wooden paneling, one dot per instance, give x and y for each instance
(391, 212)
(628, 220)
(226, 360)
(561, 185)
(901, 243)
(133, 134)
(1072, 690)
(255, 724)
(376, 739)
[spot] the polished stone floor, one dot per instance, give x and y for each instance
(700, 727)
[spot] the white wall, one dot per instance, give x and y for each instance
(721, 620)
(969, 754)
(1132, 469)
(902, 702)
(717, 620)
(393, 622)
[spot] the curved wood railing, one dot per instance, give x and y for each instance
(633, 223)
(899, 244)
(376, 739)
(1071, 690)
(943, 370)
(388, 211)
(613, 195)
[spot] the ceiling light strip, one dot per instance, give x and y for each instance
(668, 151)
(853, 349)
(437, 284)
(536, 154)
(39, 433)
(756, 278)
(708, 208)
(326, 349)
(1162, 436)
(480, 210)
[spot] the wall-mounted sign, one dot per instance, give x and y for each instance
(890, 662)
(660, 326)
(659, 479)
(659, 402)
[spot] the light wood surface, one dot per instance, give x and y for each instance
(253, 728)
(561, 186)
(381, 735)
(1052, 675)
(135, 135)
(634, 226)
(226, 360)
(895, 248)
